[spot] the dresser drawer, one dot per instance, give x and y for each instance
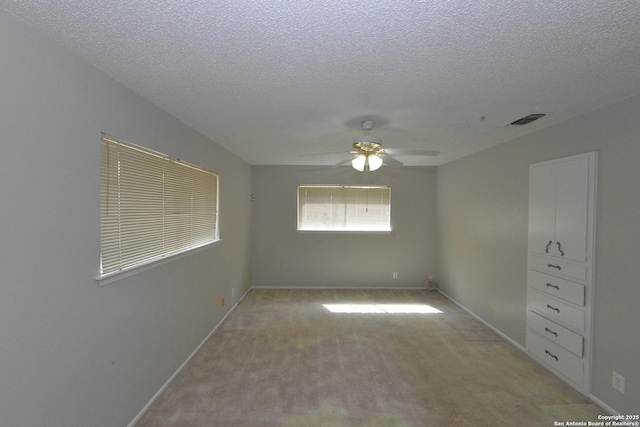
(556, 333)
(557, 310)
(559, 267)
(555, 357)
(569, 291)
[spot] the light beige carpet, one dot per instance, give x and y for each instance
(283, 359)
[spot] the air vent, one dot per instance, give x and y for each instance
(526, 120)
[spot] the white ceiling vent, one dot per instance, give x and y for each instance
(526, 119)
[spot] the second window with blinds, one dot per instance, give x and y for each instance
(151, 207)
(344, 208)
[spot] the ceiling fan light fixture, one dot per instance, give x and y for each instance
(359, 162)
(374, 162)
(366, 161)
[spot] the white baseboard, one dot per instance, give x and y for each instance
(162, 389)
(603, 405)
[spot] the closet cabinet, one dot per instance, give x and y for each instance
(558, 208)
(560, 266)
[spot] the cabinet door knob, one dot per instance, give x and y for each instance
(554, 266)
(551, 332)
(557, 287)
(560, 249)
(546, 248)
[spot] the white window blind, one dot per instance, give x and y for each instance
(344, 208)
(151, 206)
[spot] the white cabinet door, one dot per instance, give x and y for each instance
(572, 192)
(542, 208)
(558, 201)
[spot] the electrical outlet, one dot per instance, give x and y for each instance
(618, 382)
(395, 274)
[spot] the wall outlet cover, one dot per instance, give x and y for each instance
(618, 382)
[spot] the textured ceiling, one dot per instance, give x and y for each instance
(275, 81)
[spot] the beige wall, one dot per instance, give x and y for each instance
(72, 352)
(281, 256)
(482, 220)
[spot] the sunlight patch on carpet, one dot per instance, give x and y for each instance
(382, 308)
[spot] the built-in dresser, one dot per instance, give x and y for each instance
(560, 266)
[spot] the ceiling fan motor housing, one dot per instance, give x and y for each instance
(367, 144)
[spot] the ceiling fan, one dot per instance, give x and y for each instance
(369, 155)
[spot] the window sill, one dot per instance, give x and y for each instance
(131, 271)
(344, 231)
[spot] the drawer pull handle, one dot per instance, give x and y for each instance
(551, 332)
(560, 249)
(546, 248)
(556, 287)
(550, 307)
(554, 266)
(551, 355)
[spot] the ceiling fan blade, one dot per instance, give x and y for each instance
(344, 162)
(410, 152)
(328, 153)
(390, 161)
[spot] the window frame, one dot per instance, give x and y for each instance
(374, 230)
(173, 225)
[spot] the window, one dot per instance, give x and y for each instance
(344, 208)
(151, 206)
